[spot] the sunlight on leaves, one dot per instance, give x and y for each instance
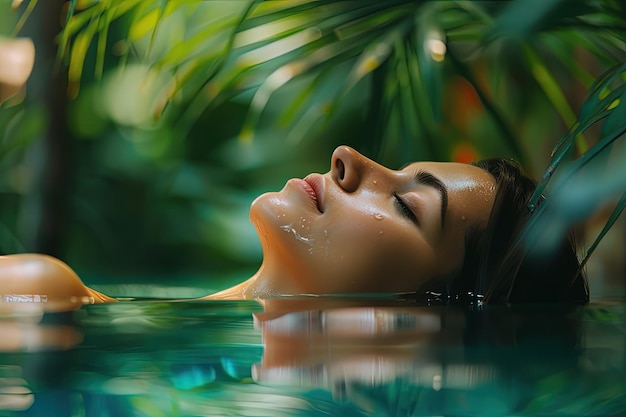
(145, 24)
(301, 71)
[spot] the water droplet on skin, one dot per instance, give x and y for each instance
(289, 229)
(378, 216)
(463, 218)
(375, 182)
(381, 233)
(303, 223)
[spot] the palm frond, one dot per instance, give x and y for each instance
(276, 43)
(586, 183)
(617, 211)
(601, 101)
(24, 17)
(402, 52)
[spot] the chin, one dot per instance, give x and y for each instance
(284, 226)
(268, 207)
(267, 213)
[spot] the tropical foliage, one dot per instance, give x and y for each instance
(192, 107)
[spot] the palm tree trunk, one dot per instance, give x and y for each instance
(44, 212)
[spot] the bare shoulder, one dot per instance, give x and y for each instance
(42, 279)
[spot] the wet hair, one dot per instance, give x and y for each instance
(499, 268)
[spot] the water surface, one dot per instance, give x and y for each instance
(311, 358)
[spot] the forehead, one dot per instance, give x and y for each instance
(471, 190)
(457, 176)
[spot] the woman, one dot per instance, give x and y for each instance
(446, 229)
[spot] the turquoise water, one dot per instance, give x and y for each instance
(315, 358)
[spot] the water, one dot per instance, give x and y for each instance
(315, 356)
(289, 229)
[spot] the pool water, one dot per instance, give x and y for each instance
(313, 357)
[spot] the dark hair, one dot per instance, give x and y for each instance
(498, 267)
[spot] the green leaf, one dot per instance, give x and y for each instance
(553, 91)
(75, 22)
(77, 56)
(144, 22)
(617, 211)
(522, 18)
(616, 110)
(24, 17)
(597, 106)
(284, 74)
(303, 98)
(105, 23)
(372, 57)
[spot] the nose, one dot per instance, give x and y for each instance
(348, 168)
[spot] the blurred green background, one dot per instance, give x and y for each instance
(148, 127)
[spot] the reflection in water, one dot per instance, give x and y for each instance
(314, 357)
(15, 395)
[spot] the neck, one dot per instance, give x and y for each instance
(274, 277)
(253, 288)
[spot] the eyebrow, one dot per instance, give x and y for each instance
(422, 177)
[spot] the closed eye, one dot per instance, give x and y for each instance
(404, 209)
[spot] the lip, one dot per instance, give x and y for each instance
(316, 182)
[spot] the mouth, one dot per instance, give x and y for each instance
(316, 182)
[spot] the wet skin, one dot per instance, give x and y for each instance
(364, 228)
(41, 282)
(360, 228)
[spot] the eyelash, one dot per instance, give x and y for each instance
(406, 211)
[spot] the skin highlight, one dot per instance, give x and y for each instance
(366, 228)
(42, 282)
(359, 228)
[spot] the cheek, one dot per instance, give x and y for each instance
(372, 254)
(348, 251)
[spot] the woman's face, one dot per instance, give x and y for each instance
(365, 228)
